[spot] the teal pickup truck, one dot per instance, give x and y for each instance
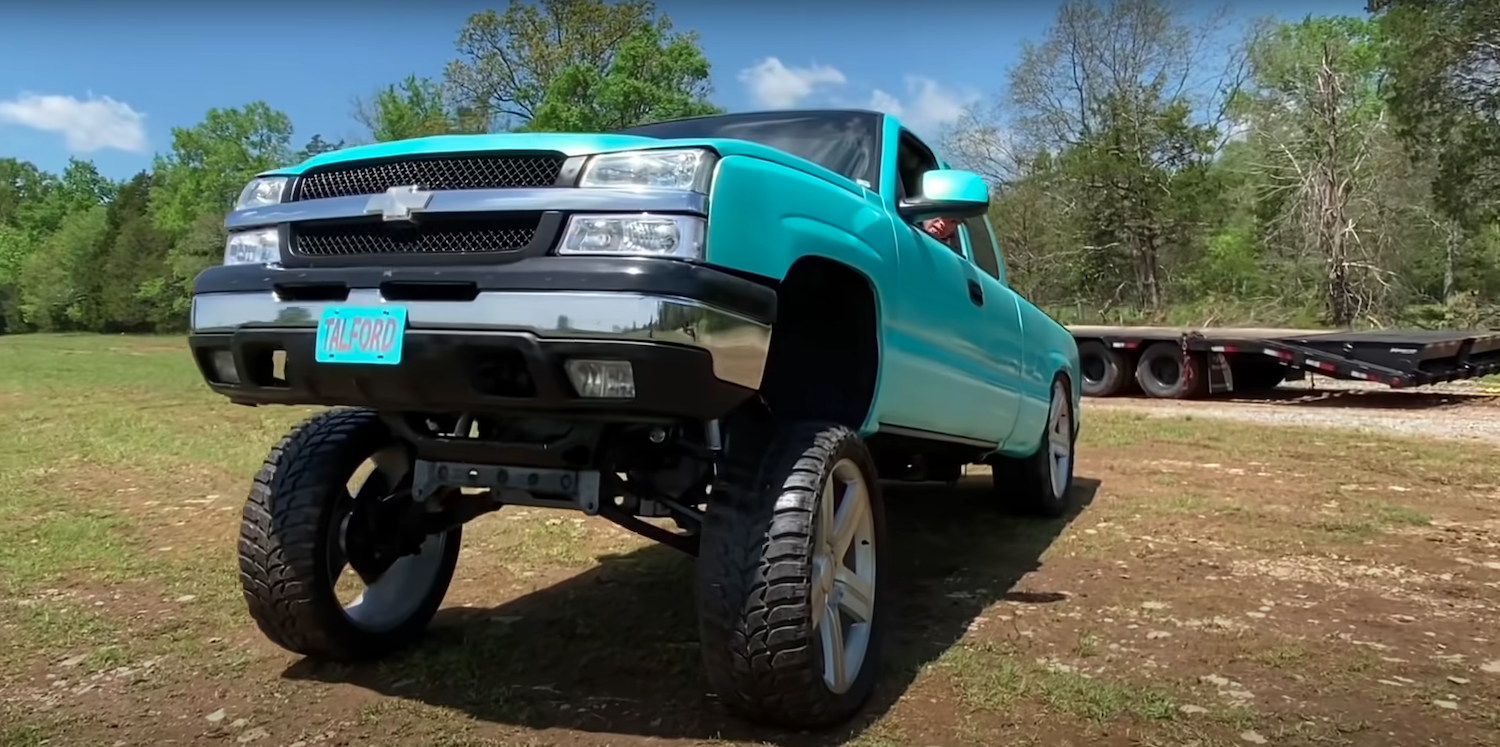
(720, 332)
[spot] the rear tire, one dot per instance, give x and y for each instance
(293, 545)
(789, 578)
(1104, 371)
(1165, 372)
(1042, 484)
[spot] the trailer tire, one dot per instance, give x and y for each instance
(1105, 372)
(1165, 372)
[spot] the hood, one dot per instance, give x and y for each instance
(567, 143)
(571, 144)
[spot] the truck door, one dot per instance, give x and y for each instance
(940, 366)
(1002, 339)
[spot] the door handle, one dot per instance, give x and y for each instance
(976, 294)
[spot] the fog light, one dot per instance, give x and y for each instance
(223, 365)
(602, 379)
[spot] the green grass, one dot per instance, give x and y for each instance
(997, 678)
(104, 434)
(92, 422)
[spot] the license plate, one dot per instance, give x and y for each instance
(361, 334)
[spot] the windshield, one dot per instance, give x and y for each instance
(842, 141)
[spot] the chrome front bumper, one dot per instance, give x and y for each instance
(738, 345)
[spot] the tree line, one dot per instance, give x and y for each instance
(1153, 165)
(81, 252)
(1148, 164)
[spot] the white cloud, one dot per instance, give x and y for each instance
(776, 86)
(86, 125)
(929, 106)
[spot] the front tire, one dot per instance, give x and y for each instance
(791, 579)
(294, 544)
(1042, 484)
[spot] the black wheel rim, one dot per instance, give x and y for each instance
(1166, 370)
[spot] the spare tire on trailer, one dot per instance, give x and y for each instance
(1165, 372)
(1105, 371)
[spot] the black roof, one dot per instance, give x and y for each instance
(758, 113)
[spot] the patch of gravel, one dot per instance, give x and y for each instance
(1477, 426)
(1476, 419)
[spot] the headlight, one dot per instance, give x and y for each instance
(261, 246)
(262, 191)
(664, 169)
(634, 235)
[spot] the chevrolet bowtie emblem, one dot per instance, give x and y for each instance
(398, 203)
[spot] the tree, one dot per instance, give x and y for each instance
(22, 185)
(131, 254)
(51, 297)
(212, 161)
(1318, 116)
(24, 189)
(651, 78)
(316, 146)
(197, 182)
(416, 107)
(1120, 96)
(1440, 62)
(576, 64)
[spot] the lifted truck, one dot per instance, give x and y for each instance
(736, 323)
(1186, 363)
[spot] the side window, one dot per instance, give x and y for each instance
(982, 245)
(913, 159)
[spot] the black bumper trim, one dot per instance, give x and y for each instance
(444, 371)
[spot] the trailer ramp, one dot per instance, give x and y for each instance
(1210, 359)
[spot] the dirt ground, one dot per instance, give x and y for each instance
(1225, 582)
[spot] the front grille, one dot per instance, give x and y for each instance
(470, 234)
(466, 172)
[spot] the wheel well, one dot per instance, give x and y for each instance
(825, 351)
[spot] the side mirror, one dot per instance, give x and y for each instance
(947, 193)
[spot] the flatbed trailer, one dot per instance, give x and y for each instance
(1187, 362)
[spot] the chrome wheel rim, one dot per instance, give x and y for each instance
(1060, 440)
(397, 594)
(843, 588)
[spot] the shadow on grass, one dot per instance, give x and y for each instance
(614, 649)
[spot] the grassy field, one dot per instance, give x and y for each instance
(1223, 585)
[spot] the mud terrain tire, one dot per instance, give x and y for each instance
(287, 539)
(764, 578)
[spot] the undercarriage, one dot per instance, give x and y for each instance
(638, 473)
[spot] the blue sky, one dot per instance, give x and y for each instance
(108, 81)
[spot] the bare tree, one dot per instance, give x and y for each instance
(1318, 120)
(1100, 53)
(1124, 97)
